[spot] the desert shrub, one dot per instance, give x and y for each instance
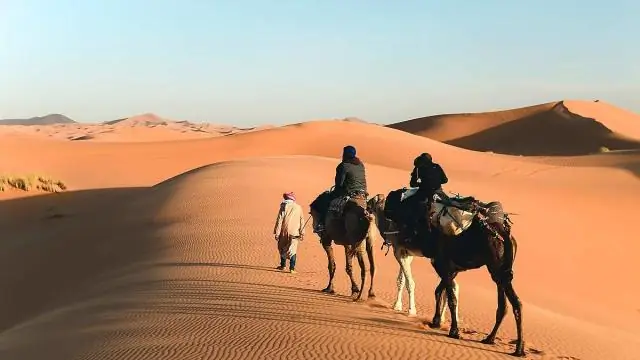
(31, 182)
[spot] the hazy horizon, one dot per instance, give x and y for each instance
(256, 62)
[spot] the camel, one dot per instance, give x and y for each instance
(347, 223)
(404, 254)
(484, 239)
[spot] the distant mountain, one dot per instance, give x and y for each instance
(50, 119)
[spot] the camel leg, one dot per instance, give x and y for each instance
(454, 332)
(517, 314)
(439, 315)
(332, 268)
(363, 272)
(348, 255)
(500, 313)
(441, 302)
(443, 295)
(448, 276)
(456, 292)
(405, 267)
(400, 282)
(372, 266)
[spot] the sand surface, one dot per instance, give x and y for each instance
(162, 249)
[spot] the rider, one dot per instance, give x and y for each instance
(428, 177)
(350, 176)
(350, 179)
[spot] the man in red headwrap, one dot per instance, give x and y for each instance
(289, 230)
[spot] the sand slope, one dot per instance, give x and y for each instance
(184, 269)
(560, 128)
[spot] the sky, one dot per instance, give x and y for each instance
(250, 62)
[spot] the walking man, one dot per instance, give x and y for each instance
(289, 230)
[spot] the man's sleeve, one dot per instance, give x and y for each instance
(443, 176)
(414, 178)
(340, 176)
(276, 228)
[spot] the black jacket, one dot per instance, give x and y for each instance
(350, 177)
(432, 177)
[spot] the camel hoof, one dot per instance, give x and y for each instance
(328, 290)
(454, 335)
(412, 313)
(488, 341)
(372, 296)
(434, 325)
(518, 353)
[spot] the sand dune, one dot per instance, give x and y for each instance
(560, 128)
(50, 119)
(140, 128)
(138, 261)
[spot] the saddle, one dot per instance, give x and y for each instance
(338, 204)
(462, 203)
(407, 193)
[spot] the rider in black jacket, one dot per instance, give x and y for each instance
(428, 177)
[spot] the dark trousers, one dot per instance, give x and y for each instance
(415, 209)
(292, 261)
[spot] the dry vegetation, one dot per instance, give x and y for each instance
(30, 183)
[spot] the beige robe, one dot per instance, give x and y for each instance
(289, 227)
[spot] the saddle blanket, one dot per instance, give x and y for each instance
(407, 193)
(337, 205)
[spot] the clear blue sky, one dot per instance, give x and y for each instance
(248, 61)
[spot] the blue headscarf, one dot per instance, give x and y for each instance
(348, 152)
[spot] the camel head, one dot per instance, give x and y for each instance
(375, 207)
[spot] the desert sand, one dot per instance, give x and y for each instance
(161, 247)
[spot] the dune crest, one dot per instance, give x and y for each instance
(146, 127)
(551, 129)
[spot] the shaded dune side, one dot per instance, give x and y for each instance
(56, 247)
(541, 130)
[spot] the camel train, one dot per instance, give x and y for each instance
(465, 234)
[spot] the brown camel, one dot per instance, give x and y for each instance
(486, 240)
(346, 223)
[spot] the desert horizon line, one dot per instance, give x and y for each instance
(308, 119)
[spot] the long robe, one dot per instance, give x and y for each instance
(289, 227)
